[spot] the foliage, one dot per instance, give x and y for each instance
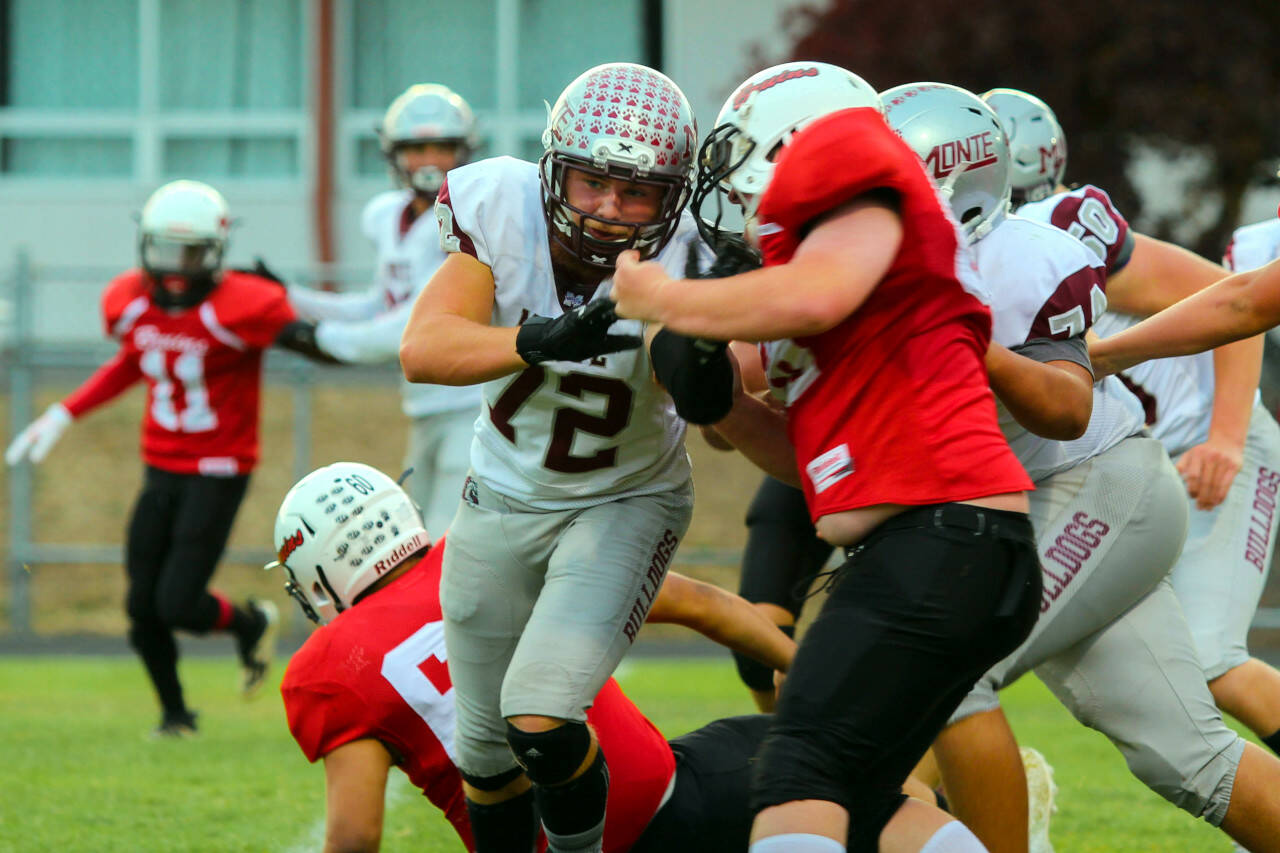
(1179, 75)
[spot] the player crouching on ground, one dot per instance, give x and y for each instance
(371, 687)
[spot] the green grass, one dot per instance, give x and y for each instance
(77, 772)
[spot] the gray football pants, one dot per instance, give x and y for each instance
(540, 606)
(1111, 642)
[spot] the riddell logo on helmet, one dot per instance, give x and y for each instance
(740, 96)
(293, 543)
(972, 152)
(399, 553)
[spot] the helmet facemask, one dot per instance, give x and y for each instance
(566, 223)
(723, 152)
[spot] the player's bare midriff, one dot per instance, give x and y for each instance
(851, 526)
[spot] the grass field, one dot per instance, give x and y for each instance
(78, 773)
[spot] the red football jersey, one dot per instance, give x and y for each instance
(378, 671)
(891, 405)
(203, 367)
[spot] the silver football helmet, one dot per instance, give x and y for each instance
(736, 160)
(963, 147)
(340, 529)
(1037, 145)
(626, 121)
(426, 112)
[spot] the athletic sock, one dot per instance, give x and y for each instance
(796, 842)
(954, 837)
(507, 827)
(159, 652)
(573, 813)
(1273, 740)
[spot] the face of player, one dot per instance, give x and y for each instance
(421, 155)
(610, 199)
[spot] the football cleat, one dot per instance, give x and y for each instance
(175, 726)
(1041, 792)
(257, 649)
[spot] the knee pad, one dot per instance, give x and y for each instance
(573, 812)
(1203, 791)
(754, 674)
(550, 757)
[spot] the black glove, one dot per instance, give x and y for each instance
(261, 270)
(300, 336)
(577, 335)
(733, 256)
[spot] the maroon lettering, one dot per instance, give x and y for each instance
(972, 152)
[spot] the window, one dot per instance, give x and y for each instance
(504, 56)
(152, 89)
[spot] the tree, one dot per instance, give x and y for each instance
(1176, 75)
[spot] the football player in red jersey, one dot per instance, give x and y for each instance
(875, 354)
(371, 687)
(195, 334)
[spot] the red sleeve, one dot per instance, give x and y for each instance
(121, 296)
(323, 714)
(253, 309)
(452, 238)
(833, 161)
(106, 383)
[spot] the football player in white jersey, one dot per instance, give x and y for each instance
(580, 488)
(1109, 515)
(1194, 404)
(426, 131)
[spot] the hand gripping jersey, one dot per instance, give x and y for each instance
(1047, 289)
(202, 365)
(1176, 394)
(892, 404)
(408, 254)
(559, 435)
(379, 671)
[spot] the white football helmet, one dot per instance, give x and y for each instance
(963, 147)
(1037, 145)
(340, 529)
(182, 234)
(626, 121)
(427, 112)
(756, 121)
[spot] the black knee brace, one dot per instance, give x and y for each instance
(550, 757)
(510, 826)
(573, 812)
(754, 674)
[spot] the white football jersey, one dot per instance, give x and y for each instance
(365, 326)
(1046, 285)
(406, 260)
(1253, 245)
(559, 435)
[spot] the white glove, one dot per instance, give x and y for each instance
(38, 438)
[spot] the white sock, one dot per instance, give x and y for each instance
(797, 842)
(954, 837)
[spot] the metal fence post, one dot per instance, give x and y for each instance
(303, 410)
(21, 408)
